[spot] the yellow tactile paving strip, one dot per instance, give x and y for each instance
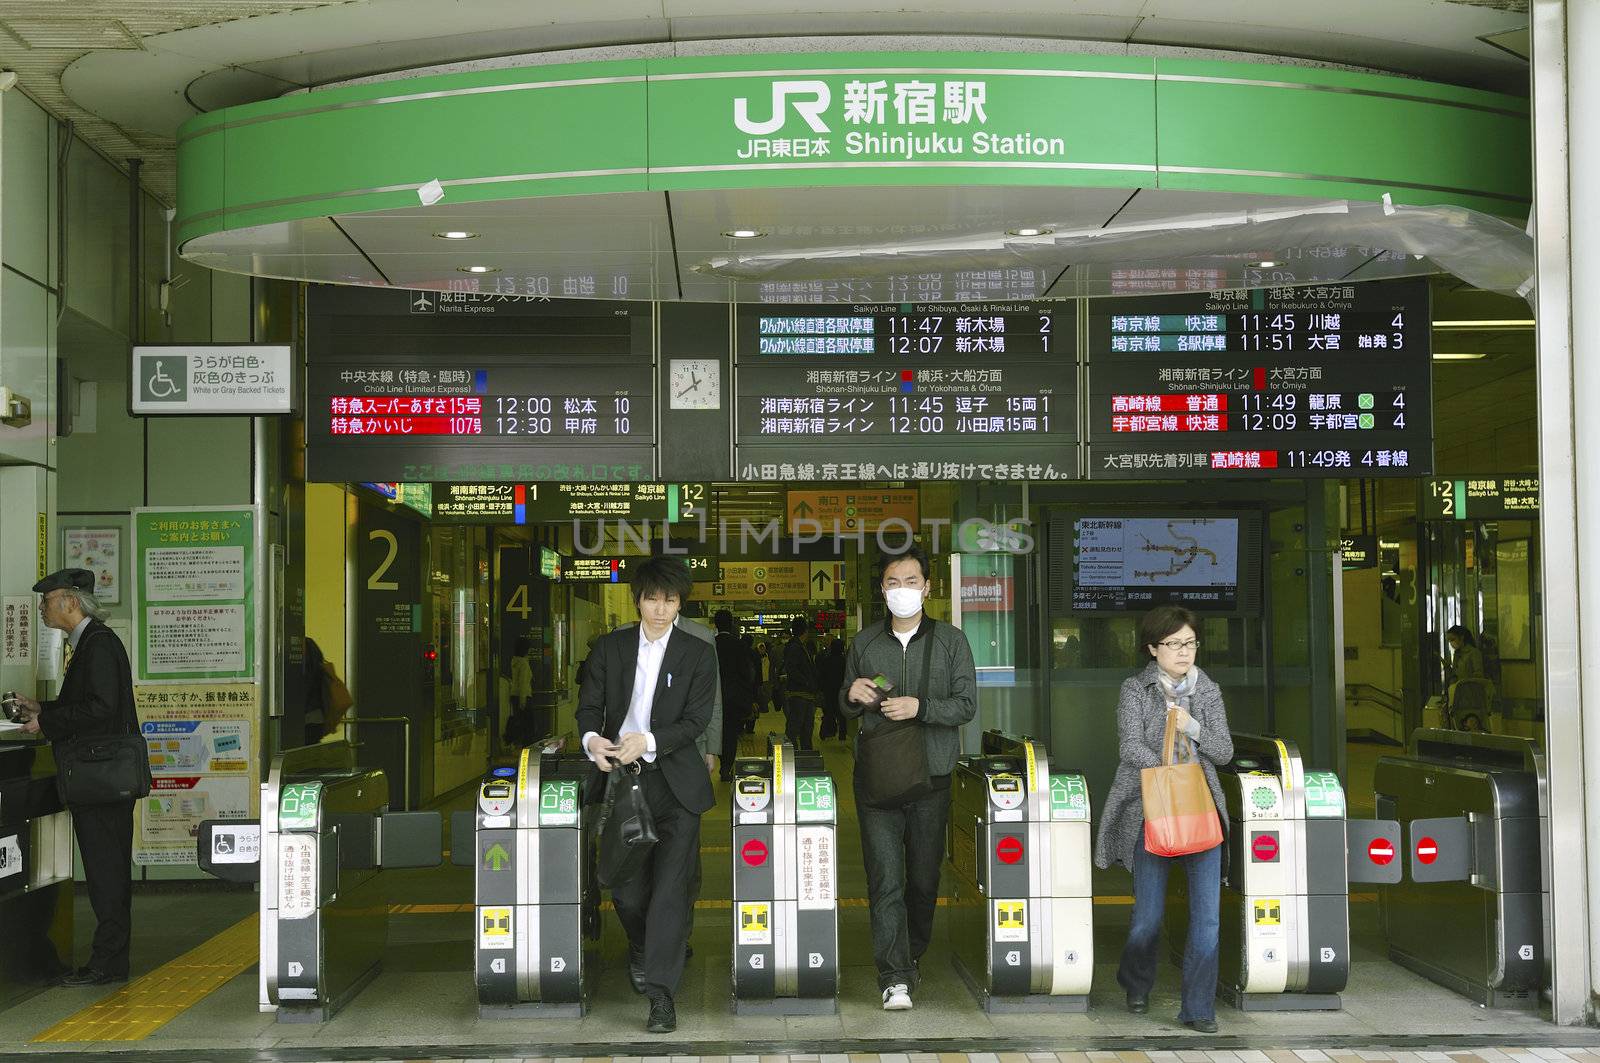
(151, 1001)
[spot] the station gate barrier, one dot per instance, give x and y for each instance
(530, 841)
(785, 884)
(324, 834)
(1020, 845)
(35, 872)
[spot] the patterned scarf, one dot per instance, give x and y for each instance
(1179, 694)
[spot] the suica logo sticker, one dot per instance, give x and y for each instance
(811, 99)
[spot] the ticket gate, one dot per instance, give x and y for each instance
(35, 871)
(1022, 925)
(324, 834)
(529, 841)
(785, 885)
(1470, 913)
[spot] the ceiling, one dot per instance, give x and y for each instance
(128, 72)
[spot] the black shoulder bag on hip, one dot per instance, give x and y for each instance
(627, 828)
(892, 756)
(106, 769)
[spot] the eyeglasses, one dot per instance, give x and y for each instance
(1178, 647)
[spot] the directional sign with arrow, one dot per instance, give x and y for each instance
(496, 857)
(852, 510)
(827, 580)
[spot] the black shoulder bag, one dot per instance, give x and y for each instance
(892, 756)
(627, 828)
(106, 769)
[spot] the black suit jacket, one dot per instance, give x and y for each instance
(96, 698)
(679, 714)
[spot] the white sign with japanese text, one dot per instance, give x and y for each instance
(16, 630)
(212, 378)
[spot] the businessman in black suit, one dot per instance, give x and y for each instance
(646, 699)
(96, 701)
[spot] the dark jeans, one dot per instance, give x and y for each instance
(655, 907)
(903, 848)
(1137, 972)
(800, 718)
(105, 838)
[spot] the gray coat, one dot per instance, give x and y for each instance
(952, 683)
(1141, 725)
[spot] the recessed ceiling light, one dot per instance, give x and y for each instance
(1458, 356)
(479, 269)
(742, 234)
(456, 234)
(1266, 263)
(1029, 232)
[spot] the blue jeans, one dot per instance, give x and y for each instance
(1137, 972)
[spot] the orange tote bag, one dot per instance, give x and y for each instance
(1179, 815)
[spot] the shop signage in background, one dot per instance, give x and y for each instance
(986, 594)
(204, 744)
(1481, 498)
(194, 594)
(1358, 551)
(850, 511)
(212, 378)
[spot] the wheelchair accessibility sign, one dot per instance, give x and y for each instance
(212, 378)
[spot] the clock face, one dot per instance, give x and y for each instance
(694, 384)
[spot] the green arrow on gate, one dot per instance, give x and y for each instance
(496, 857)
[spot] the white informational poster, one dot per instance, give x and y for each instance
(52, 644)
(203, 742)
(100, 551)
(194, 579)
(16, 630)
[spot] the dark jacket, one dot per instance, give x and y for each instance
(737, 670)
(800, 669)
(830, 671)
(96, 699)
(679, 713)
(1141, 728)
(951, 691)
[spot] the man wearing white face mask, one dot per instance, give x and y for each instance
(913, 682)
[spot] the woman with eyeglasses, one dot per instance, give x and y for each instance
(1170, 682)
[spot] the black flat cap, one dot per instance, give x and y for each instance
(67, 579)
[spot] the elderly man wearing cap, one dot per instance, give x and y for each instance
(96, 701)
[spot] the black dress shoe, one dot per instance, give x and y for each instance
(87, 976)
(1138, 1003)
(1202, 1025)
(663, 1016)
(636, 970)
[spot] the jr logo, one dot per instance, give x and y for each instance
(813, 98)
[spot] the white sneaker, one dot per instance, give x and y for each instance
(897, 998)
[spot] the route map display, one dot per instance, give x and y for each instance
(968, 391)
(1133, 563)
(441, 386)
(1331, 380)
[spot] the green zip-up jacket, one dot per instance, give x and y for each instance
(949, 698)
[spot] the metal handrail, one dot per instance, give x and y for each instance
(1384, 700)
(405, 767)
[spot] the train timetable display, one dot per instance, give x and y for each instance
(919, 391)
(517, 390)
(1314, 381)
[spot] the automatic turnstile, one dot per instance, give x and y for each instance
(35, 872)
(1022, 925)
(1284, 938)
(324, 834)
(785, 885)
(1470, 913)
(537, 929)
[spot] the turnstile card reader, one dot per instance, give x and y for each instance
(785, 885)
(534, 945)
(324, 834)
(1020, 849)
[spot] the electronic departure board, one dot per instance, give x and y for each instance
(1316, 381)
(972, 391)
(441, 386)
(1201, 561)
(539, 503)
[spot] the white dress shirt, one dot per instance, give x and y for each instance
(77, 633)
(645, 674)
